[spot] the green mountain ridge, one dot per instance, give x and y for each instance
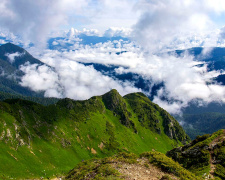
(54, 138)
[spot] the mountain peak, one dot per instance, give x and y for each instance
(11, 48)
(115, 102)
(20, 56)
(112, 99)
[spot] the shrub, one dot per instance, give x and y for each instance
(168, 165)
(220, 171)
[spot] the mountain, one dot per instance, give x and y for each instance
(204, 156)
(55, 138)
(11, 58)
(21, 56)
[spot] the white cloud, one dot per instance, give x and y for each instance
(108, 13)
(41, 78)
(11, 57)
(116, 31)
(89, 32)
(70, 79)
(165, 21)
(103, 53)
(33, 20)
(2, 41)
(55, 43)
(217, 6)
(183, 79)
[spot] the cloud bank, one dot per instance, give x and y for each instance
(33, 20)
(165, 21)
(70, 79)
(184, 78)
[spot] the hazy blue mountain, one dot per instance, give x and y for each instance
(10, 48)
(10, 72)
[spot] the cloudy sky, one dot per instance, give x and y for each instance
(147, 29)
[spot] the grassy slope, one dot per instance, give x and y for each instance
(38, 141)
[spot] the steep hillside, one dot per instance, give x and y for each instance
(55, 138)
(205, 156)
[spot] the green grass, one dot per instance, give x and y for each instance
(220, 171)
(48, 141)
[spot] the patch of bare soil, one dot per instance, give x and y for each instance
(143, 170)
(93, 151)
(212, 168)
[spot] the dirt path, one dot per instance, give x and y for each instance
(212, 167)
(140, 171)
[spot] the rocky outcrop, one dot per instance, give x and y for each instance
(151, 116)
(115, 102)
